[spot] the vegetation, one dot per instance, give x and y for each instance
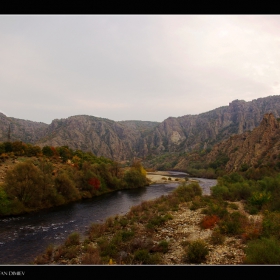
(53, 176)
(196, 252)
(126, 239)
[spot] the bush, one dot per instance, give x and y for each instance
(134, 178)
(263, 251)
(142, 256)
(233, 224)
(72, 239)
(187, 192)
(217, 238)
(91, 256)
(216, 208)
(271, 225)
(158, 220)
(258, 199)
(197, 251)
(163, 245)
(197, 202)
(209, 221)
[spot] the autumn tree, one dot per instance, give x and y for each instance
(23, 183)
(47, 186)
(66, 187)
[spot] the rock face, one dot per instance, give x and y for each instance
(260, 146)
(103, 137)
(22, 130)
(126, 139)
(186, 133)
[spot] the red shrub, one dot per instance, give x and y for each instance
(209, 221)
(94, 182)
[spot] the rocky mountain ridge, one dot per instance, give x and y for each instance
(124, 140)
(251, 149)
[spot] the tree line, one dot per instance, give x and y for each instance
(52, 176)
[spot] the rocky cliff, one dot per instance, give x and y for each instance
(189, 132)
(23, 130)
(126, 139)
(103, 137)
(251, 149)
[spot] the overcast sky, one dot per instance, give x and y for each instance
(134, 67)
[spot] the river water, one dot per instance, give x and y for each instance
(25, 237)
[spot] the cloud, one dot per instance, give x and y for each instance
(135, 66)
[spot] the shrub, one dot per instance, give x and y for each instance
(72, 239)
(163, 246)
(135, 178)
(252, 231)
(209, 221)
(71, 252)
(187, 192)
(142, 256)
(197, 251)
(262, 251)
(233, 224)
(271, 225)
(91, 256)
(217, 238)
(197, 203)
(107, 249)
(220, 191)
(258, 199)
(126, 235)
(216, 208)
(158, 220)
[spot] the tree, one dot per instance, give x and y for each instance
(47, 151)
(47, 185)
(66, 187)
(23, 183)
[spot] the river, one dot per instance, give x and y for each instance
(24, 237)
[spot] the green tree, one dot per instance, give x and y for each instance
(47, 151)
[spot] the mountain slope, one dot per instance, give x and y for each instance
(251, 149)
(103, 137)
(190, 132)
(124, 140)
(23, 130)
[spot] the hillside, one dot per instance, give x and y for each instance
(251, 149)
(23, 130)
(124, 140)
(190, 132)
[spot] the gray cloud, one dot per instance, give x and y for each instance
(144, 67)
